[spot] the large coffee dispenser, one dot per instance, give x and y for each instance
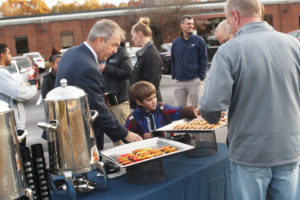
(71, 142)
(12, 179)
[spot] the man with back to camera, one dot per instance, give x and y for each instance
(257, 76)
(13, 91)
(189, 63)
(79, 65)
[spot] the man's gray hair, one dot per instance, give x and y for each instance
(247, 8)
(105, 28)
(223, 25)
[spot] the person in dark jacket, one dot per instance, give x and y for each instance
(116, 73)
(79, 66)
(49, 79)
(189, 63)
(148, 65)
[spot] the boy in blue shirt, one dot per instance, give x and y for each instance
(150, 115)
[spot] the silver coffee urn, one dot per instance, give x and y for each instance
(12, 178)
(71, 142)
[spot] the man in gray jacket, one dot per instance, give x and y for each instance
(256, 75)
(13, 91)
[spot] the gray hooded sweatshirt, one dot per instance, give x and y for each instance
(13, 92)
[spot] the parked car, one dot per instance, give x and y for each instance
(16, 72)
(62, 51)
(132, 53)
(38, 59)
(295, 33)
(166, 58)
(27, 63)
(37, 72)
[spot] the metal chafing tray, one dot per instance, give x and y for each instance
(204, 140)
(113, 153)
(170, 127)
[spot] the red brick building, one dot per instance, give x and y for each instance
(41, 33)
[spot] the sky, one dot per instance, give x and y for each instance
(50, 3)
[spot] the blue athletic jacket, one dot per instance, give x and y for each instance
(189, 58)
(138, 120)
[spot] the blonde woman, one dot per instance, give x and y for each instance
(148, 65)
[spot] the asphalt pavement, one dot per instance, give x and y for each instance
(35, 113)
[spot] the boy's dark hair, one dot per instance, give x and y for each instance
(141, 90)
(3, 48)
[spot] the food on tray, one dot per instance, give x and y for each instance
(158, 153)
(168, 149)
(143, 154)
(200, 124)
(139, 150)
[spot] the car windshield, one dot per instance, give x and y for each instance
(23, 62)
(293, 34)
(166, 47)
(12, 68)
(34, 55)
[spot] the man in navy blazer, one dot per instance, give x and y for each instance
(79, 65)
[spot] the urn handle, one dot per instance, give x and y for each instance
(29, 194)
(21, 133)
(94, 114)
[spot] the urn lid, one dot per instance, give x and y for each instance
(65, 92)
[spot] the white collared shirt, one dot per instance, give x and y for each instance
(92, 50)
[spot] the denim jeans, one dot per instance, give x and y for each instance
(251, 183)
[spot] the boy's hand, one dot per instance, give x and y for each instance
(196, 112)
(224, 113)
(147, 135)
(133, 137)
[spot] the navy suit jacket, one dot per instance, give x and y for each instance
(79, 67)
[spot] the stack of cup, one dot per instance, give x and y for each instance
(29, 170)
(41, 171)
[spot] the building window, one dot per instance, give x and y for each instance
(21, 44)
(67, 39)
(269, 19)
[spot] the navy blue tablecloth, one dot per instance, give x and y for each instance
(206, 178)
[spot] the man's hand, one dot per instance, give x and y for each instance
(133, 137)
(107, 100)
(101, 67)
(196, 112)
(37, 85)
(147, 135)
